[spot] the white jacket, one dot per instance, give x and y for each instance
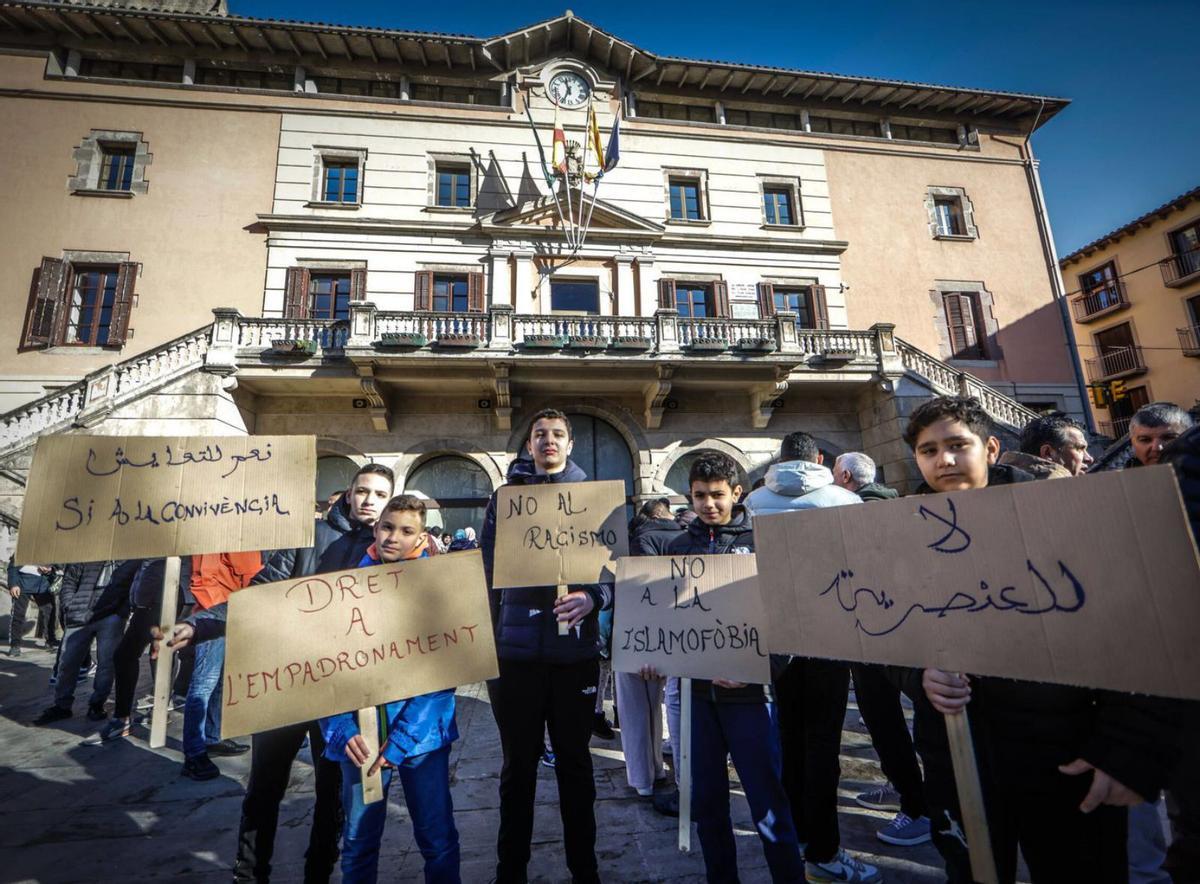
(797, 485)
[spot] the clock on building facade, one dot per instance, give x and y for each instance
(568, 89)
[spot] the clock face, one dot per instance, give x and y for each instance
(568, 89)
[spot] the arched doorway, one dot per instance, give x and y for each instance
(677, 477)
(334, 474)
(460, 486)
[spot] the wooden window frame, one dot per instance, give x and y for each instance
(973, 333)
(297, 287)
(324, 155)
(966, 212)
(92, 166)
(424, 282)
(344, 164)
(47, 314)
(818, 304)
(675, 176)
(716, 296)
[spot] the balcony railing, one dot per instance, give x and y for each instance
(1180, 268)
(1116, 428)
(1115, 364)
(1100, 302)
(1189, 340)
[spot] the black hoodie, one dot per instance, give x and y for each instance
(526, 628)
(1023, 730)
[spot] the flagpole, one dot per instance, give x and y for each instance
(551, 179)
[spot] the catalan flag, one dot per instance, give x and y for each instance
(596, 161)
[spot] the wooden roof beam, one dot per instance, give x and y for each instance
(421, 51)
(728, 80)
(128, 32)
(792, 85)
(608, 54)
(9, 23)
(449, 60)
(157, 33)
(910, 99)
(507, 53)
(37, 25)
(853, 89)
(471, 57)
(237, 38)
(587, 43)
(644, 73)
(207, 31)
(770, 84)
(525, 47)
(662, 73)
(749, 82)
(708, 72)
(811, 89)
(371, 48)
(880, 98)
(62, 20)
(629, 65)
(683, 77)
(487, 54)
(346, 50)
(291, 41)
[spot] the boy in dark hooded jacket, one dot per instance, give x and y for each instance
(1059, 765)
(547, 680)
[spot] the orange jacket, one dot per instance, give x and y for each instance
(216, 575)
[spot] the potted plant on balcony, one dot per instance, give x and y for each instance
(293, 347)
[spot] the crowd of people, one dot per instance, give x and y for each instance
(1071, 776)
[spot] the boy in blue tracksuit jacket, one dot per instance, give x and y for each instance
(414, 738)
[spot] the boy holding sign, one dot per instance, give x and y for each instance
(414, 736)
(547, 677)
(1058, 764)
(730, 718)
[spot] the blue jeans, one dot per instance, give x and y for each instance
(76, 641)
(749, 733)
(1147, 845)
(202, 710)
(426, 782)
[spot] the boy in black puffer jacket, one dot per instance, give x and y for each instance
(546, 679)
(1059, 765)
(730, 718)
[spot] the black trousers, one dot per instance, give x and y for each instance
(128, 656)
(1183, 803)
(270, 769)
(527, 699)
(16, 622)
(811, 698)
(1037, 812)
(879, 703)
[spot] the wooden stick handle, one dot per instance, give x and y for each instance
(165, 673)
(685, 765)
(970, 799)
(563, 629)
(368, 726)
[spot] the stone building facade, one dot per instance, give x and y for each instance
(231, 225)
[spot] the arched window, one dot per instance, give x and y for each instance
(677, 476)
(334, 474)
(459, 485)
(601, 452)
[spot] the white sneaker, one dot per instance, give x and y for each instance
(842, 867)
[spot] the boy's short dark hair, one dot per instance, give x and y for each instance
(799, 446)
(375, 469)
(713, 466)
(1049, 429)
(965, 409)
(405, 503)
(550, 414)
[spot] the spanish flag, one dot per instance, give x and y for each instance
(558, 153)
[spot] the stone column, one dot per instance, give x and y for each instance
(362, 325)
(646, 287)
(221, 357)
(626, 296)
(502, 295)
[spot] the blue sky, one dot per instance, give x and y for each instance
(1129, 142)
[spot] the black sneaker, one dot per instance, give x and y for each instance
(667, 803)
(52, 714)
(200, 768)
(96, 712)
(601, 728)
(227, 747)
(14, 651)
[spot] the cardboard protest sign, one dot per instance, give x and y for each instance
(91, 498)
(1091, 581)
(690, 616)
(553, 533)
(339, 642)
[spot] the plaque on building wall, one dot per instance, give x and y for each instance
(743, 291)
(744, 309)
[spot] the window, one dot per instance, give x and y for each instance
(323, 292)
(1119, 355)
(685, 199)
(806, 301)
(459, 487)
(948, 214)
(130, 70)
(79, 303)
(329, 296)
(698, 300)
(1126, 407)
(575, 296)
(934, 134)
(962, 323)
(448, 292)
(116, 166)
(277, 78)
(341, 181)
(951, 214)
(338, 176)
(468, 94)
(110, 163)
(453, 185)
(777, 205)
(660, 110)
(736, 116)
(843, 126)
(1193, 305)
(694, 300)
(1101, 288)
(1186, 245)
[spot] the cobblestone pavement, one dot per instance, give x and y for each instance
(74, 812)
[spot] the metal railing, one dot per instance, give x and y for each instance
(1099, 301)
(1179, 267)
(1189, 340)
(1123, 360)
(1115, 428)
